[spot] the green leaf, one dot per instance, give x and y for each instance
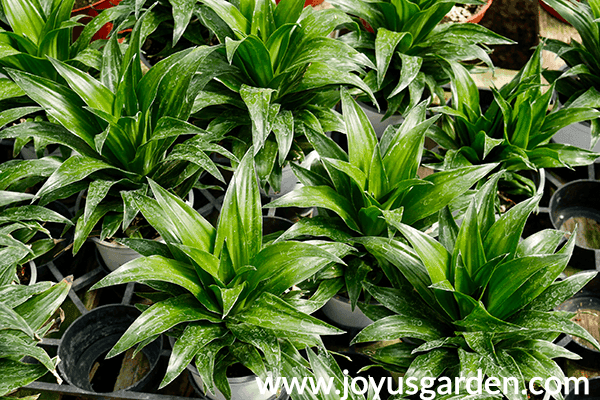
(512, 276)
(503, 237)
(426, 200)
(319, 196)
(258, 101)
(93, 92)
(397, 326)
(61, 103)
(192, 229)
(559, 292)
(13, 321)
(15, 374)
(240, 222)
(160, 317)
(552, 322)
(385, 47)
(155, 268)
(271, 312)
(37, 310)
(195, 336)
(360, 134)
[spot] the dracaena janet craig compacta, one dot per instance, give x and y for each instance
(475, 297)
(278, 79)
(121, 128)
(358, 190)
(228, 292)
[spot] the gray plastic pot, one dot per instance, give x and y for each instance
(91, 336)
(339, 311)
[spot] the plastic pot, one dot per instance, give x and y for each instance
(576, 203)
(588, 310)
(376, 118)
(339, 311)
(88, 339)
(475, 19)
(242, 388)
(594, 391)
(114, 254)
(91, 11)
(552, 11)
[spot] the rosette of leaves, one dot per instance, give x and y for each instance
(582, 59)
(122, 128)
(374, 178)
(409, 47)
(280, 76)
(26, 313)
(18, 225)
(516, 128)
(475, 297)
(32, 30)
(224, 290)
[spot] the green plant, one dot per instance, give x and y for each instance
(122, 128)
(476, 298)
(374, 179)
(279, 77)
(26, 313)
(582, 59)
(33, 30)
(515, 130)
(410, 48)
(18, 225)
(224, 286)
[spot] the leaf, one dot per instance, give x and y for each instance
(271, 312)
(14, 374)
(13, 321)
(425, 200)
(558, 292)
(397, 326)
(93, 92)
(160, 317)
(195, 336)
(258, 101)
(512, 276)
(192, 228)
(61, 103)
(240, 222)
(157, 268)
(385, 46)
(74, 169)
(552, 322)
(37, 310)
(360, 134)
(503, 237)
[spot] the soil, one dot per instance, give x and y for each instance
(462, 13)
(516, 20)
(588, 319)
(24, 274)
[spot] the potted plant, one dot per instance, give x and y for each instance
(225, 288)
(373, 179)
(18, 245)
(122, 128)
(582, 69)
(477, 297)
(26, 313)
(279, 77)
(515, 129)
(409, 48)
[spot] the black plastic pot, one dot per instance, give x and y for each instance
(594, 391)
(90, 337)
(590, 357)
(577, 203)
